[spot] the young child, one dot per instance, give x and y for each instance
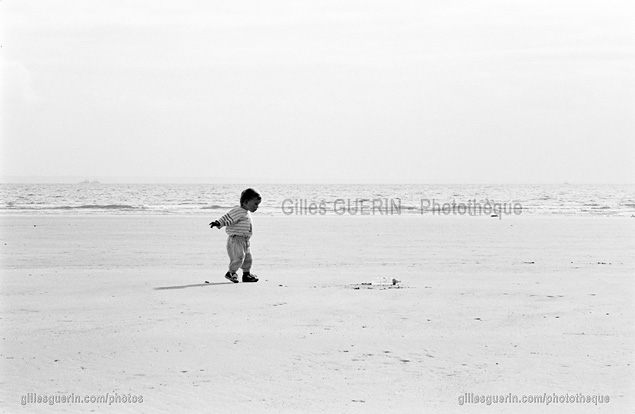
(238, 227)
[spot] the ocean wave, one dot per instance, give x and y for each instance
(547, 200)
(125, 207)
(109, 207)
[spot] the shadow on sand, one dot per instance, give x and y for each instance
(190, 286)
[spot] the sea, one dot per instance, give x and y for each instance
(212, 200)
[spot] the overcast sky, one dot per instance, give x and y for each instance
(400, 91)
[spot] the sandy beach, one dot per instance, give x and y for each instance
(118, 304)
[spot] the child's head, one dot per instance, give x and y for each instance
(249, 199)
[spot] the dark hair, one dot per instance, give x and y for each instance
(248, 194)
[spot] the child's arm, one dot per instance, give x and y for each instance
(234, 215)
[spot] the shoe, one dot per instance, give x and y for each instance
(249, 278)
(231, 277)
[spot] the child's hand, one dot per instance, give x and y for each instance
(214, 224)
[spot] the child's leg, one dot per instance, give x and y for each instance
(236, 252)
(246, 267)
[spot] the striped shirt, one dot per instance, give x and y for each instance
(237, 222)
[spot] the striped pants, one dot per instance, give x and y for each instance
(239, 254)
